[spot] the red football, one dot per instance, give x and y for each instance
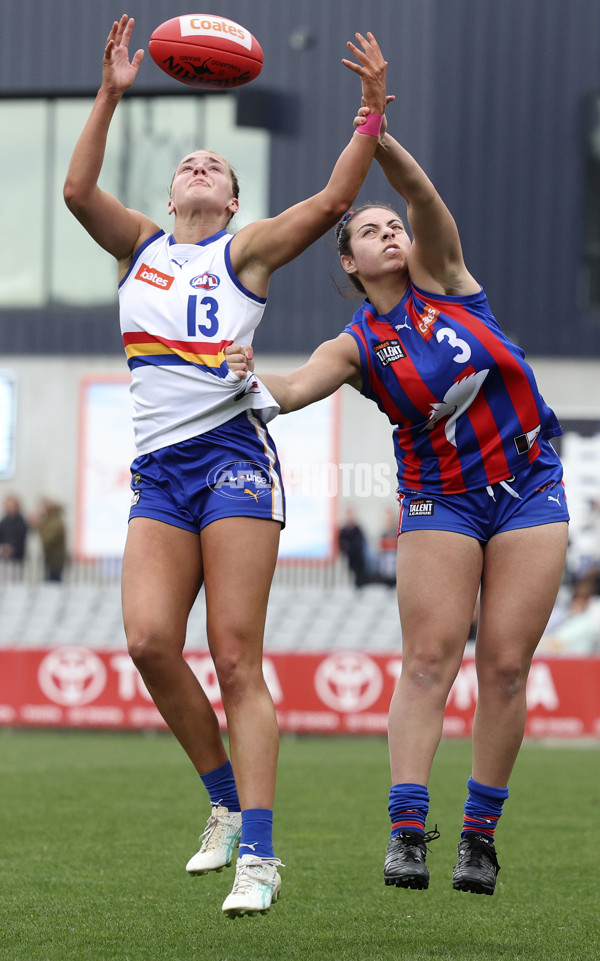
(206, 50)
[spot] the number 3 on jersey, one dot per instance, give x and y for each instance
(446, 333)
(207, 323)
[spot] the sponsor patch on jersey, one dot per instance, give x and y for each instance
(426, 320)
(205, 281)
(546, 487)
(388, 351)
(421, 508)
(154, 277)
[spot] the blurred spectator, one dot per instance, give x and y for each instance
(353, 545)
(584, 543)
(50, 525)
(576, 629)
(13, 531)
(386, 547)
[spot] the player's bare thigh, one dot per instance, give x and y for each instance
(438, 577)
(162, 574)
(240, 554)
(521, 576)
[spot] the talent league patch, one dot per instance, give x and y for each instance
(421, 508)
(388, 351)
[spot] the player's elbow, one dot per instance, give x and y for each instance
(299, 396)
(71, 195)
(75, 195)
(288, 400)
(341, 207)
(332, 208)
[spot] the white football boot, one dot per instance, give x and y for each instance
(217, 843)
(257, 885)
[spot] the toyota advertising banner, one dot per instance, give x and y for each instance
(337, 693)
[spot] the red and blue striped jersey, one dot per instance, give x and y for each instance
(465, 404)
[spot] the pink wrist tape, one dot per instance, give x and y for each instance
(372, 125)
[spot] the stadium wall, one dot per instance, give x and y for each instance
(344, 692)
(492, 98)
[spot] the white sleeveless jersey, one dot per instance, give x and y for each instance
(181, 305)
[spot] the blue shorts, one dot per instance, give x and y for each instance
(231, 471)
(535, 496)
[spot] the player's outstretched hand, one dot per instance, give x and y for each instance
(240, 360)
(371, 68)
(117, 72)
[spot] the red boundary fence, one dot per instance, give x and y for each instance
(331, 692)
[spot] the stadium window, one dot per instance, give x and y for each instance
(8, 418)
(22, 182)
(148, 137)
(592, 208)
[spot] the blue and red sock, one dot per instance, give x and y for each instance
(483, 808)
(408, 807)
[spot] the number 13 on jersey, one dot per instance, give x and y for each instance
(202, 316)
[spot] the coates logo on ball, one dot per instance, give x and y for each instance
(207, 51)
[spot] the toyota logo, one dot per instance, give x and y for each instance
(72, 676)
(348, 682)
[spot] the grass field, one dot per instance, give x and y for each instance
(96, 830)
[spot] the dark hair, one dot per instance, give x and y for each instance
(235, 184)
(342, 234)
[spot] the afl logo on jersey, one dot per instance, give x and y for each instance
(205, 282)
(388, 351)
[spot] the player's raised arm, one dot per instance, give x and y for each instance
(436, 258)
(260, 248)
(106, 219)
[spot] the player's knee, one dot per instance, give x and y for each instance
(235, 675)
(433, 666)
(506, 677)
(146, 650)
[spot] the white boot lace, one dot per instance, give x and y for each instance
(248, 873)
(212, 836)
